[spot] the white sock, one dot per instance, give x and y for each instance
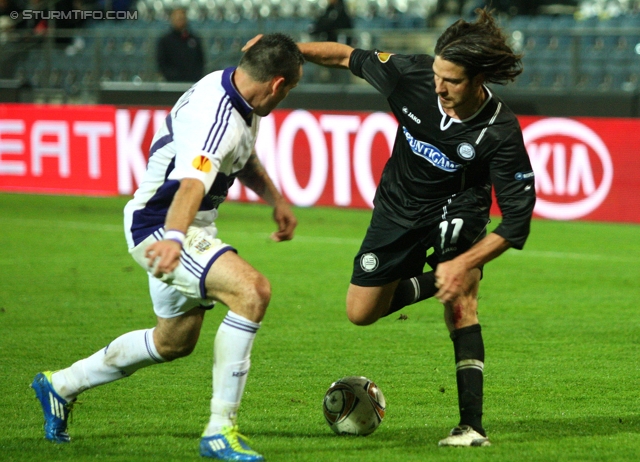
(232, 352)
(121, 358)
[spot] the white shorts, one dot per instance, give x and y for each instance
(184, 289)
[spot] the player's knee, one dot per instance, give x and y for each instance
(359, 316)
(171, 351)
(257, 295)
(262, 292)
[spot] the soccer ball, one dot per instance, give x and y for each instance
(354, 406)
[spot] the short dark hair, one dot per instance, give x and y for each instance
(272, 56)
(480, 47)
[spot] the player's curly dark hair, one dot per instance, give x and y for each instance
(480, 47)
(271, 56)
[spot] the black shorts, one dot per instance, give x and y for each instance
(390, 252)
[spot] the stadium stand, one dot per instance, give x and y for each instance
(590, 49)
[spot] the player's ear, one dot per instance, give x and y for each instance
(277, 83)
(478, 79)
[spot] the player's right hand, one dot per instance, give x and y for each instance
(286, 221)
(251, 42)
(163, 257)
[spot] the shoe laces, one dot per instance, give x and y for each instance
(233, 436)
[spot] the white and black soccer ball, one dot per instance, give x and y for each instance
(354, 406)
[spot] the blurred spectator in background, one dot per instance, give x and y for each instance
(334, 19)
(10, 55)
(180, 57)
(327, 28)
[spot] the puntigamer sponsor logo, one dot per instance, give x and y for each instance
(431, 153)
(572, 165)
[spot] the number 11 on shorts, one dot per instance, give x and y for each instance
(455, 233)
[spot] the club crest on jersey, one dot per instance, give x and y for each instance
(431, 153)
(383, 57)
(202, 163)
(369, 262)
(411, 115)
(203, 245)
(466, 151)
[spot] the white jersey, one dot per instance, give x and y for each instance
(208, 135)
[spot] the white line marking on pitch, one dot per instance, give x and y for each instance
(309, 239)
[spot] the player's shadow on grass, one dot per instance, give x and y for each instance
(517, 431)
(562, 427)
(505, 432)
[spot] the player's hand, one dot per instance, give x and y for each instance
(251, 42)
(451, 277)
(286, 221)
(163, 257)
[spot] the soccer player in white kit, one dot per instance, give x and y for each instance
(206, 142)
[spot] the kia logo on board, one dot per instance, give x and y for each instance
(572, 166)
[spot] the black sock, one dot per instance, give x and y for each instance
(469, 352)
(413, 290)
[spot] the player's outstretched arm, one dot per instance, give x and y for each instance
(255, 177)
(329, 54)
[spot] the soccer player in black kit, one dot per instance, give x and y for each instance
(455, 140)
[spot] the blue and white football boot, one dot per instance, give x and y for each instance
(56, 409)
(228, 445)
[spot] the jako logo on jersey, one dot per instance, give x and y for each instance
(406, 110)
(383, 57)
(431, 153)
(572, 166)
(523, 176)
(202, 163)
(466, 151)
(369, 262)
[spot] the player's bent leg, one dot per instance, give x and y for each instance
(413, 290)
(238, 285)
(365, 305)
(57, 390)
(177, 337)
(119, 359)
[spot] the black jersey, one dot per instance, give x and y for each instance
(436, 158)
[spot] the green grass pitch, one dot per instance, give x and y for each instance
(560, 319)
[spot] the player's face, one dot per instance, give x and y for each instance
(456, 92)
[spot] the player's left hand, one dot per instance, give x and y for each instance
(251, 42)
(286, 221)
